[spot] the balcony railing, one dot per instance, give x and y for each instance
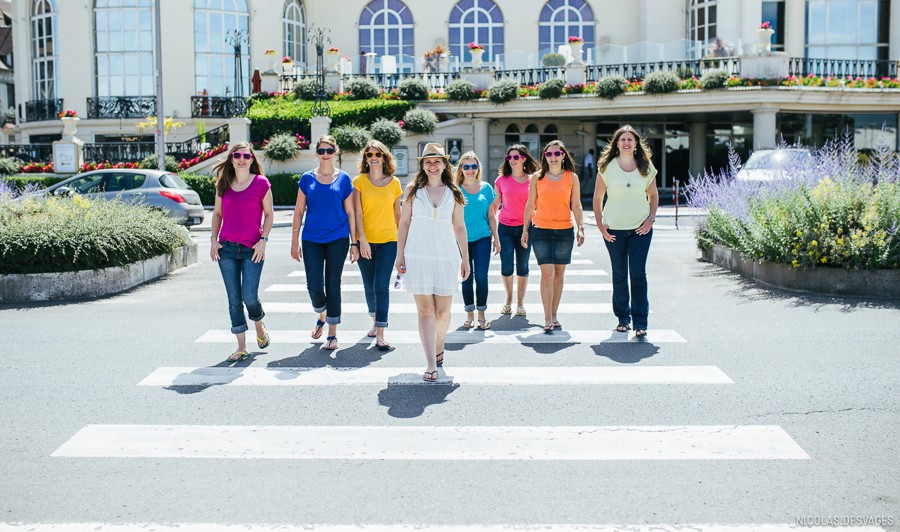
(121, 107)
(841, 68)
(29, 153)
(684, 68)
(435, 80)
(39, 110)
(217, 106)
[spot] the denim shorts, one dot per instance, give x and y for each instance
(553, 246)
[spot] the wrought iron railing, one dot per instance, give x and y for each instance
(121, 107)
(435, 80)
(684, 68)
(38, 110)
(217, 106)
(29, 153)
(531, 76)
(841, 68)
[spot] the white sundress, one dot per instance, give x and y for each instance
(432, 254)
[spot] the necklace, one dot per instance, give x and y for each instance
(554, 177)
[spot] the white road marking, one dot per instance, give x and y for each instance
(248, 527)
(534, 335)
(534, 309)
(535, 274)
(532, 287)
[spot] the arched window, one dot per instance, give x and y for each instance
(43, 49)
(386, 28)
(295, 31)
(124, 48)
(550, 133)
(214, 68)
(477, 21)
(561, 19)
(702, 16)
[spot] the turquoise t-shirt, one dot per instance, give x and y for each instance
(476, 212)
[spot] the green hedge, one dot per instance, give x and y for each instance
(41, 235)
(284, 187)
(19, 182)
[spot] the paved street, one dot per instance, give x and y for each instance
(745, 406)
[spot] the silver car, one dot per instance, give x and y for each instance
(772, 165)
(163, 190)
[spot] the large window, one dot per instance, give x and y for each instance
(773, 12)
(386, 28)
(561, 19)
(123, 32)
(214, 64)
(477, 21)
(847, 29)
(702, 18)
(43, 49)
(295, 31)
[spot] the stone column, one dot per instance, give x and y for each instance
(319, 125)
(238, 130)
(698, 148)
(894, 50)
(764, 130)
(795, 28)
(480, 133)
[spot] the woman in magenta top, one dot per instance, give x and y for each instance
(512, 193)
(241, 223)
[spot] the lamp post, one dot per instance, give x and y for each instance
(319, 37)
(237, 38)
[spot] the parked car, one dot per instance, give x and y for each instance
(155, 188)
(768, 165)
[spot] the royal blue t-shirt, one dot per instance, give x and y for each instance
(326, 219)
(476, 211)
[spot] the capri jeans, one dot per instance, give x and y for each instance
(241, 276)
(511, 250)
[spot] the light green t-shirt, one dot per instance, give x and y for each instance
(627, 205)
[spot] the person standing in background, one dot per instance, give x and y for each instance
(588, 173)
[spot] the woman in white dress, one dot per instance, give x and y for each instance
(432, 250)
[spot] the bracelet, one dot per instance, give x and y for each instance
(354, 244)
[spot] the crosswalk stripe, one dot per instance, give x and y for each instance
(678, 442)
(497, 376)
(474, 336)
(217, 527)
(532, 287)
(531, 262)
(494, 272)
(535, 309)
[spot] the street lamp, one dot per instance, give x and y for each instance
(236, 38)
(319, 37)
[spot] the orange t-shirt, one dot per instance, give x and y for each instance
(553, 208)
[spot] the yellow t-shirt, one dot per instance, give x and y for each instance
(627, 205)
(379, 223)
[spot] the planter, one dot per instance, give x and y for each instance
(576, 48)
(878, 284)
(288, 68)
(764, 40)
(476, 57)
(332, 61)
(70, 127)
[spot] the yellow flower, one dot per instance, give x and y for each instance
(814, 243)
(840, 241)
(824, 260)
(795, 264)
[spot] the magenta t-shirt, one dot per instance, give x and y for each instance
(242, 213)
(514, 196)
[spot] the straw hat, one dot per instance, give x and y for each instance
(434, 149)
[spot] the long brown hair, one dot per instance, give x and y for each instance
(460, 177)
(642, 151)
(388, 167)
(224, 170)
(567, 163)
(530, 165)
(421, 180)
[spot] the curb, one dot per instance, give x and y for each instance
(23, 288)
(876, 284)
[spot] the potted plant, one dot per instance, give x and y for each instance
(476, 50)
(287, 64)
(436, 59)
(764, 36)
(575, 45)
(332, 59)
(270, 58)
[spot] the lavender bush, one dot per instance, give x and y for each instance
(832, 211)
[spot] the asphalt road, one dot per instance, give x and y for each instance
(820, 373)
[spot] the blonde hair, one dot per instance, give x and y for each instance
(459, 176)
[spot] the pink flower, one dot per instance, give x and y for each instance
(765, 25)
(575, 39)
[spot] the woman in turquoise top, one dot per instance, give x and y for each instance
(481, 226)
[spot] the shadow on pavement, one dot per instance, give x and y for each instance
(187, 389)
(408, 401)
(630, 353)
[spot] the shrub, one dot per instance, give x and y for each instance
(610, 87)
(552, 88)
(660, 82)
(9, 165)
(51, 234)
(413, 89)
(203, 184)
(387, 132)
(684, 72)
(363, 89)
(351, 138)
(420, 120)
(282, 147)
(553, 59)
(714, 79)
(503, 91)
(305, 89)
(461, 90)
(21, 182)
(149, 162)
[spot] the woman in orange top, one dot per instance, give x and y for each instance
(553, 200)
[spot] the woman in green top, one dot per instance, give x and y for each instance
(627, 178)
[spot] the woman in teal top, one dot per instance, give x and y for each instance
(481, 226)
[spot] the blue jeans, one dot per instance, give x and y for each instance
(376, 277)
(241, 276)
(628, 256)
(511, 248)
(479, 262)
(324, 264)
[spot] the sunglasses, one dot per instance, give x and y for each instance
(238, 155)
(473, 166)
(514, 157)
(323, 151)
(554, 153)
(376, 154)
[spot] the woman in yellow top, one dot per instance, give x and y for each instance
(627, 178)
(553, 201)
(376, 193)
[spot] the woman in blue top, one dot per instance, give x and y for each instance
(481, 226)
(325, 194)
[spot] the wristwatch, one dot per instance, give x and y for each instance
(265, 239)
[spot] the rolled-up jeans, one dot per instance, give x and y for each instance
(241, 276)
(376, 277)
(628, 257)
(324, 265)
(511, 248)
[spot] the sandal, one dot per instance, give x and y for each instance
(505, 310)
(265, 340)
(331, 343)
(383, 346)
(373, 333)
(430, 376)
(468, 324)
(520, 311)
(484, 325)
(640, 333)
(238, 355)
(548, 328)
(439, 358)
(623, 327)
(557, 325)
(317, 330)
